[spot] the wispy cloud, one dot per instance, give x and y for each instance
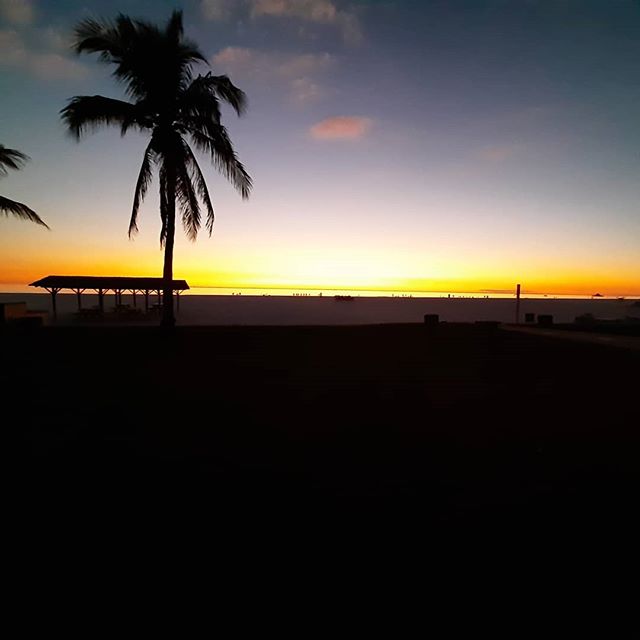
(341, 128)
(218, 9)
(53, 39)
(496, 154)
(306, 91)
(234, 59)
(321, 12)
(257, 62)
(314, 10)
(297, 72)
(53, 66)
(45, 63)
(17, 12)
(318, 11)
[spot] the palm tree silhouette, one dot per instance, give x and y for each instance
(13, 159)
(155, 66)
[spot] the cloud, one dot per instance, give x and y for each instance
(233, 59)
(295, 71)
(53, 66)
(496, 154)
(306, 91)
(54, 39)
(45, 64)
(304, 64)
(217, 9)
(318, 11)
(341, 128)
(17, 12)
(244, 61)
(323, 12)
(314, 10)
(12, 50)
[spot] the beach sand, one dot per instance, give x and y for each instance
(313, 310)
(460, 424)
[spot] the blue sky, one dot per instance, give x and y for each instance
(401, 144)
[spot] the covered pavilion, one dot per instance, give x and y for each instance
(103, 284)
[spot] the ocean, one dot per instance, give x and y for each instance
(300, 307)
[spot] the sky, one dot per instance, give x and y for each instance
(462, 145)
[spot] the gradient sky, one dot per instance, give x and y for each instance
(394, 144)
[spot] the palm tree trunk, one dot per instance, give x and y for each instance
(168, 319)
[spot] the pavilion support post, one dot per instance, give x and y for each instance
(518, 304)
(53, 291)
(101, 300)
(159, 296)
(133, 292)
(146, 300)
(178, 300)
(78, 293)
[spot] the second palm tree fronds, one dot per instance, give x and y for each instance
(175, 109)
(14, 159)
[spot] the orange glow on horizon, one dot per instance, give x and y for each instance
(358, 279)
(328, 263)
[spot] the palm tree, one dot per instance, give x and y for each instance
(13, 159)
(168, 102)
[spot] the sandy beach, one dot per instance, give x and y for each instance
(313, 310)
(460, 424)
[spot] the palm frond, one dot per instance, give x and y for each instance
(201, 186)
(144, 181)
(88, 113)
(204, 92)
(11, 159)
(228, 92)
(20, 210)
(175, 29)
(186, 195)
(217, 145)
(164, 203)
(103, 37)
(198, 107)
(144, 56)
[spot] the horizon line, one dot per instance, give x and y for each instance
(506, 292)
(387, 290)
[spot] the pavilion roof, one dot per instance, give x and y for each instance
(106, 282)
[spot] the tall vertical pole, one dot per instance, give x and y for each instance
(79, 295)
(146, 300)
(101, 300)
(517, 304)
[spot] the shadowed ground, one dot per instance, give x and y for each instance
(457, 424)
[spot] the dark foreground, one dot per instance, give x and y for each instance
(461, 424)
